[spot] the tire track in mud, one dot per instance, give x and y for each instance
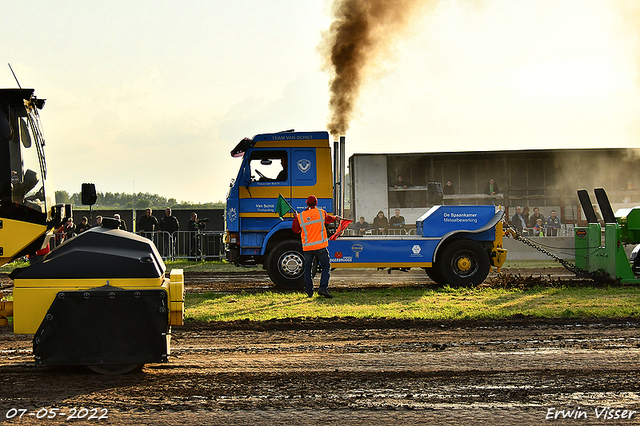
(446, 372)
(347, 370)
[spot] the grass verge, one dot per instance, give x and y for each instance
(412, 303)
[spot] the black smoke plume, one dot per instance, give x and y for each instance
(361, 32)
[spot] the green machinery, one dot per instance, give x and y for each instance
(604, 252)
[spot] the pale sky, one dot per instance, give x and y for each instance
(150, 96)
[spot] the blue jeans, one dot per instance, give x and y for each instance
(323, 260)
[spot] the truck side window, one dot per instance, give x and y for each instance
(269, 166)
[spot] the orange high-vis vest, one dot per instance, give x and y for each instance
(312, 229)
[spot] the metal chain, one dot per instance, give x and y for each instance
(571, 267)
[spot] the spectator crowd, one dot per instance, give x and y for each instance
(162, 231)
(535, 224)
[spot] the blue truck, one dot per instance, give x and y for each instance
(455, 245)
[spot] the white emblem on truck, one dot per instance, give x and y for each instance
(304, 165)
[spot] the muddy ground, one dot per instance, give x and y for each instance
(348, 371)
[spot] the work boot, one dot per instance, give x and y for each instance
(325, 293)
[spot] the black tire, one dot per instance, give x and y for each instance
(285, 265)
(464, 263)
(435, 274)
(635, 260)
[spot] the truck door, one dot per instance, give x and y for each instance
(266, 173)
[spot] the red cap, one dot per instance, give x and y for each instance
(312, 200)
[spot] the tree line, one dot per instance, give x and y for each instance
(141, 200)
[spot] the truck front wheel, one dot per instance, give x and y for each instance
(464, 263)
(285, 265)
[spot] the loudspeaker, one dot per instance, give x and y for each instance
(89, 195)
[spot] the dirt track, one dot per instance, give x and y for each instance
(347, 371)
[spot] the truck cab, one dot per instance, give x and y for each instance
(291, 164)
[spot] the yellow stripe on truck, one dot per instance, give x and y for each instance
(322, 188)
(382, 265)
(274, 191)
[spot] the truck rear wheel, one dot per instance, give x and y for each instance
(285, 265)
(435, 274)
(464, 263)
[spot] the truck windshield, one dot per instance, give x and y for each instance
(28, 177)
(23, 169)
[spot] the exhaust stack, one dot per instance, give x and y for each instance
(339, 175)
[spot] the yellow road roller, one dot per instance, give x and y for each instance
(102, 298)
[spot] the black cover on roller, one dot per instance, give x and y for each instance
(98, 253)
(104, 326)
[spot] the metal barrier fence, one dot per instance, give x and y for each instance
(202, 245)
(565, 230)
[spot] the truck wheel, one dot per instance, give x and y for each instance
(285, 265)
(464, 263)
(435, 274)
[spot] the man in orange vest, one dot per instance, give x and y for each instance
(310, 225)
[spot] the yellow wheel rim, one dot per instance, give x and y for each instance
(464, 264)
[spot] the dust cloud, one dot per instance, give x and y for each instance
(617, 172)
(361, 33)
